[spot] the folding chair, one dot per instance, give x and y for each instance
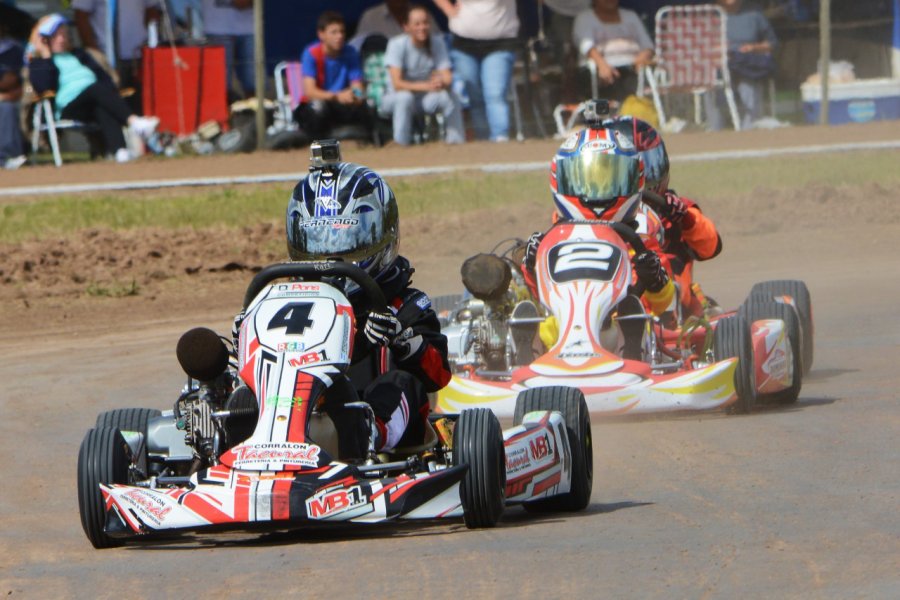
(692, 56)
(288, 92)
(44, 120)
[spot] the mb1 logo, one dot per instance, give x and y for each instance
(329, 503)
(540, 447)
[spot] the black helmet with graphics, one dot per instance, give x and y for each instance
(635, 135)
(343, 211)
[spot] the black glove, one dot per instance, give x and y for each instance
(382, 328)
(650, 271)
(531, 248)
(675, 208)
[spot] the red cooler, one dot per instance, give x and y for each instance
(185, 86)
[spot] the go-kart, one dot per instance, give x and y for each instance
(253, 444)
(583, 273)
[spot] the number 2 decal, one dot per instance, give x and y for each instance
(294, 317)
(584, 260)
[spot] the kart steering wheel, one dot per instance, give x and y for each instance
(655, 201)
(372, 298)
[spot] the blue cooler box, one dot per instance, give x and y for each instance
(855, 102)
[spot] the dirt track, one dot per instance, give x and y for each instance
(799, 502)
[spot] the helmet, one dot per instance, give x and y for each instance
(592, 175)
(344, 211)
(639, 136)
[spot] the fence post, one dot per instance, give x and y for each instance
(824, 57)
(259, 56)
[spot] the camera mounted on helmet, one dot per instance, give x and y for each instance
(324, 154)
(596, 110)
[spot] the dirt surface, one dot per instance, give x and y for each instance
(795, 502)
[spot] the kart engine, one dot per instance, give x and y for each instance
(197, 413)
(498, 289)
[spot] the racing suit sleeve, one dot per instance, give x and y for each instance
(421, 349)
(700, 234)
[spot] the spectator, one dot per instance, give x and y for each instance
(484, 50)
(751, 42)
(332, 81)
(560, 21)
(229, 23)
(618, 44)
(130, 20)
(84, 91)
(387, 19)
(420, 80)
(11, 63)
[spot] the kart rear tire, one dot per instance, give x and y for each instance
(802, 303)
(102, 458)
(130, 419)
(756, 308)
(732, 339)
(478, 442)
(571, 404)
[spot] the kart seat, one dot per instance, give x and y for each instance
(431, 440)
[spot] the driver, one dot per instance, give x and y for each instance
(592, 177)
(345, 211)
(689, 234)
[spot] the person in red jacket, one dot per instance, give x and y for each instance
(688, 234)
(399, 353)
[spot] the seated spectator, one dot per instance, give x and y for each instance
(12, 146)
(618, 44)
(484, 50)
(386, 19)
(229, 23)
(751, 42)
(560, 19)
(420, 80)
(333, 92)
(84, 91)
(129, 32)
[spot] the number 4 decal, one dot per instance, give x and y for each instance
(293, 316)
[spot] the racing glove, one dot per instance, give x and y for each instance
(675, 207)
(531, 248)
(678, 211)
(382, 328)
(650, 271)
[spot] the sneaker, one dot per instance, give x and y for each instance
(500, 139)
(15, 162)
(144, 126)
(123, 155)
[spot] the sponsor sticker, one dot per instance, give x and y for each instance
(148, 505)
(291, 347)
(599, 146)
(424, 302)
(571, 142)
(327, 503)
(303, 454)
(517, 459)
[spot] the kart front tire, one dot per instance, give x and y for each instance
(798, 291)
(732, 339)
(478, 443)
(103, 458)
(130, 419)
(756, 308)
(571, 404)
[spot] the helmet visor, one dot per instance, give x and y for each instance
(352, 238)
(593, 176)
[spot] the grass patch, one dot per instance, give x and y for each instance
(113, 290)
(440, 194)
